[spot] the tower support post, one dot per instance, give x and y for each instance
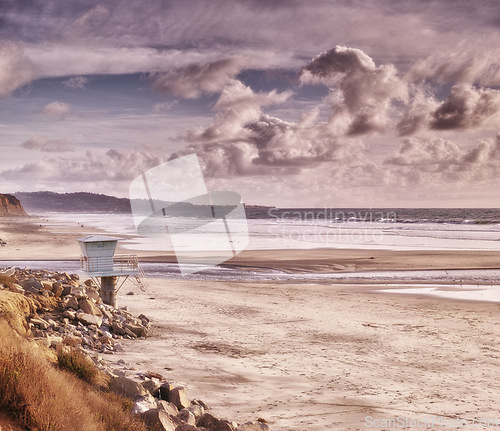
(108, 290)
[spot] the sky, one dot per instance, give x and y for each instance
(318, 103)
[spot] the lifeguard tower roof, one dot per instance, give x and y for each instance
(98, 238)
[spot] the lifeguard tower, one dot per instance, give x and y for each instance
(98, 260)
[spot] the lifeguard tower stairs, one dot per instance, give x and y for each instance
(99, 261)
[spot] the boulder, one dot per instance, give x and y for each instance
(89, 319)
(32, 285)
(164, 390)
(253, 426)
(117, 328)
(42, 324)
(70, 302)
(66, 290)
(167, 407)
(137, 329)
(14, 287)
(186, 416)
(197, 410)
(151, 386)
(127, 387)
(143, 404)
(158, 420)
(57, 289)
(186, 427)
(211, 423)
(178, 396)
(87, 306)
(47, 285)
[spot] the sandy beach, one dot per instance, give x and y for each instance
(310, 356)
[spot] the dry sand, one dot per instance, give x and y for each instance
(313, 356)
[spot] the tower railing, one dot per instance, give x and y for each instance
(117, 263)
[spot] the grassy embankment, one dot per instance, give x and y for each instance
(48, 391)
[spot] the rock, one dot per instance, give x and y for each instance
(151, 386)
(253, 426)
(93, 293)
(187, 416)
(32, 285)
(66, 290)
(70, 314)
(164, 391)
(118, 347)
(178, 396)
(198, 402)
(186, 427)
(129, 333)
(54, 341)
(14, 287)
(42, 324)
(57, 289)
(143, 404)
(211, 423)
(167, 407)
(158, 420)
(118, 328)
(89, 307)
(47, 285)
(127, 387)
(137, 329)
(197, 410)
(70, 302)
(89, 319)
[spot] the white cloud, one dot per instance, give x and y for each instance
(16, 69)
(362, 93)
(56, 110)
(76, 82)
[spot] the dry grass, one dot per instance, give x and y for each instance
(45, 398)
(7, 281)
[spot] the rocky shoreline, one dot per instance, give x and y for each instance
(68, 313)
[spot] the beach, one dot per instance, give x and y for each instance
(320, 354)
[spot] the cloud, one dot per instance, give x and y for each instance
(76, 82)
(193, 80)
(243, 140)
(465, 64)
(15, 69)
(41, 143)
(115, 165)
(361, 91)
(435, 161)
(466, 107)
(56, 110)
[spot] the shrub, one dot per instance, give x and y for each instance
(77, 363)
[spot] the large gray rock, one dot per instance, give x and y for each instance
(178, 396)
(32, 285)
(152, 386)
(117, 328)
(164, 391)
(197, 410)
(158, 420)
(127, 387)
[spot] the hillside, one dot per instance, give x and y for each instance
(81, 202)
(10, 206)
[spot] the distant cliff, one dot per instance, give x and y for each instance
(82, 202)
(10, 206)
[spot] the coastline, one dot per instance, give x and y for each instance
(308, 355)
